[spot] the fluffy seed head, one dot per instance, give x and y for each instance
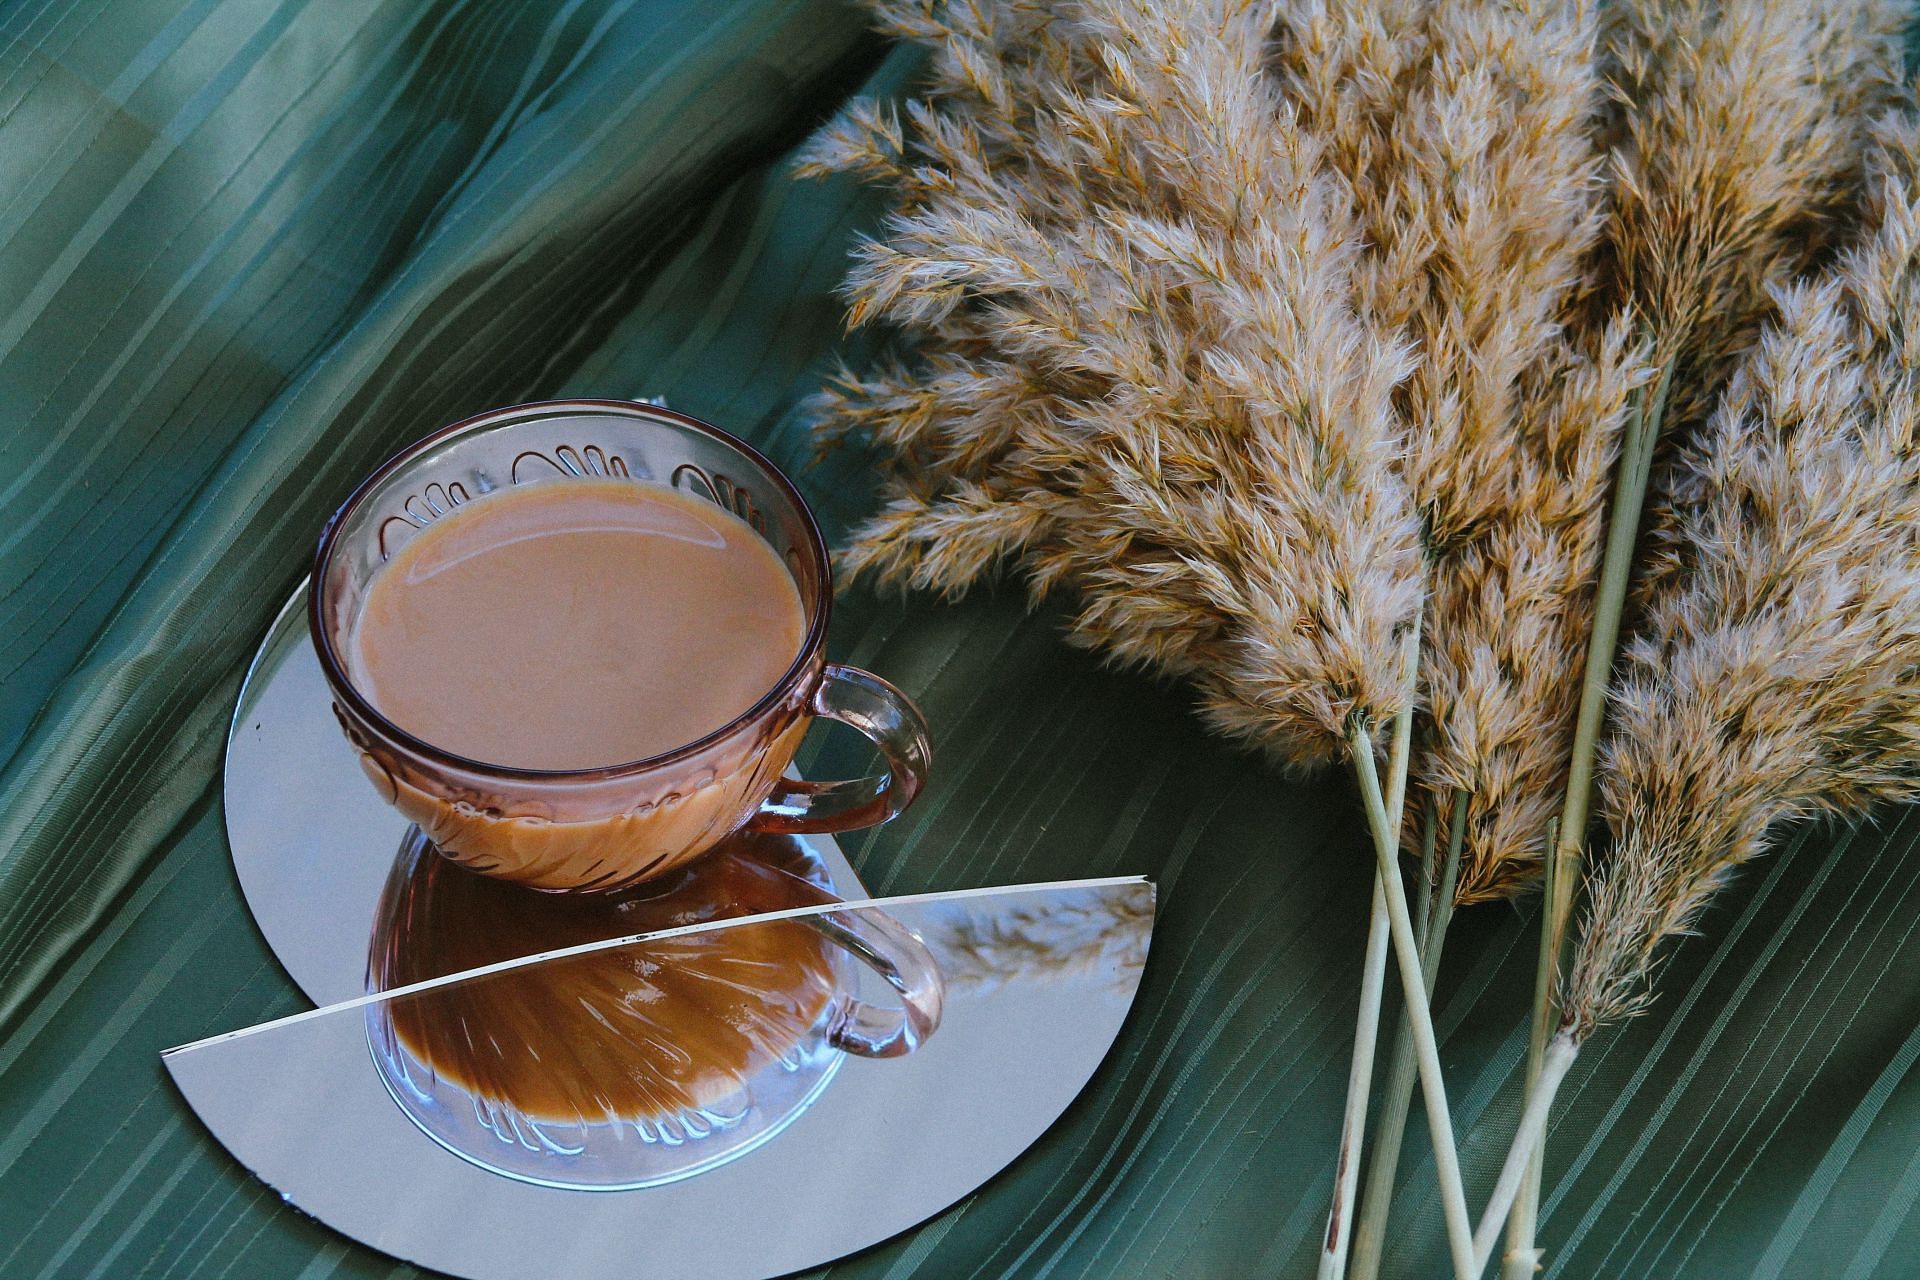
(1135, 369)
(1737, 144)
(1776, 674)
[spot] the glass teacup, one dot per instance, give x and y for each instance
(605, 828)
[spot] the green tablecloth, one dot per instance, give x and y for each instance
(248, 247)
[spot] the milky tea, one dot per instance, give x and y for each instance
(576, 625)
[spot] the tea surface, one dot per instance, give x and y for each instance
(576, 624)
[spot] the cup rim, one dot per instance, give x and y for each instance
(364, 709)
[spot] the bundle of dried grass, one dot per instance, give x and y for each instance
(1153, 302)
(1777, 673)
(1737, 141)
(1462, 132)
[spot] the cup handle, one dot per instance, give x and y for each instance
(888, 719)
(897, 954)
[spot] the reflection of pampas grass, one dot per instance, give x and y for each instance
(1093, 931)
(1777, 672)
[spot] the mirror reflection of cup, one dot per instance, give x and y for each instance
(639, 1064)
(586, 829)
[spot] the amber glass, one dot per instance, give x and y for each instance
(594, 829)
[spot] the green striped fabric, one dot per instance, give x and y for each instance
(247, 248)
